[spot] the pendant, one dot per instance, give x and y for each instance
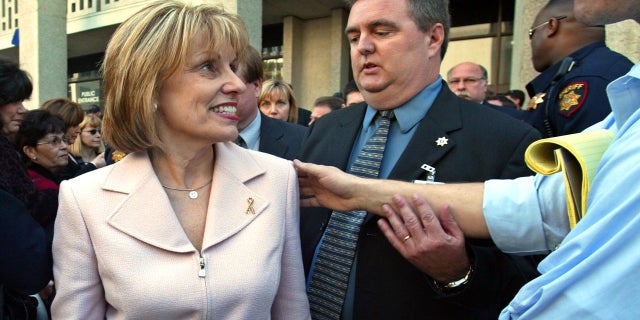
(193, 194)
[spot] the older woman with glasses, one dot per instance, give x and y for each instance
(89, 146)
(41, 142)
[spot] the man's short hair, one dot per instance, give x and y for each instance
(334, 103)
(426, 13)
(251, 65)
(351, 86)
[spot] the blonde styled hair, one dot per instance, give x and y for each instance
(273, 88)
(147, 49)
(77, 146)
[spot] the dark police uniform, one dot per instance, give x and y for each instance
(571, 96)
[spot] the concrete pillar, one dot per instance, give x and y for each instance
(292, 51)
(251, 13)
(340, 66)
(624, 37)
(521, 68)
(43, 48)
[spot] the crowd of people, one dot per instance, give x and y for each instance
(408, 196)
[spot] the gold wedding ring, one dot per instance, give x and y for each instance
(406, 238)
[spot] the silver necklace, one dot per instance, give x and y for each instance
(193, 193)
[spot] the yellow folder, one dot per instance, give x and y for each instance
(577, 156)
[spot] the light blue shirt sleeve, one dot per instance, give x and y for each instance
(594, 273)
(528, 215)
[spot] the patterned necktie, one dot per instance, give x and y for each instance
(330, 276)
(241, 142)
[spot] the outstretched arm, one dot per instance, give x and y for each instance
(332, 188)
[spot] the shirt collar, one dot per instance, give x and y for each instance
(624, 94)
(411, 112)
(251, 134)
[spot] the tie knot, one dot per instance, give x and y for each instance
(385, 114)
(241, 142)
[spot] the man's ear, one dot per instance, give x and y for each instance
(553, 27)
(258, 84)
(435, 38)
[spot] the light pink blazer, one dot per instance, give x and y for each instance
(120, 253)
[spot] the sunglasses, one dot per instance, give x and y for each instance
(93, 131)
(532, 31)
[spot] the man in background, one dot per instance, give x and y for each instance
(257, 131)
(468, 80)
(351, 94)
(324, 105)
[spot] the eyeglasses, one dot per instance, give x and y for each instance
(533, 30)
(55, 142)
(467, 81)
(93, 131)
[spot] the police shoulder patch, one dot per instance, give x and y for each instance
(571, 98)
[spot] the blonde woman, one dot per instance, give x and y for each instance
(277, 101)
(188, 225)
(90, 144)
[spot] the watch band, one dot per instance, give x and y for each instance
(457, 283)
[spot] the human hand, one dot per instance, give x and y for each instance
(433, 244)
(99, 161)
(325, 186)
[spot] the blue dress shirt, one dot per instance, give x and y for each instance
(251, 134)
(593, 274)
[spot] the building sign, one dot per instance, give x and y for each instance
(86, 93)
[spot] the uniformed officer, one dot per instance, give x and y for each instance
(576, 66)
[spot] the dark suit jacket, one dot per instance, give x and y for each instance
(25, 248)
(304, 116)
(280, 138)
(483, 144)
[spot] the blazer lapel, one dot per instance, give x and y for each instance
(145, 212)
(343, 136)
(431, 141)
(233, 203)
(271, 137)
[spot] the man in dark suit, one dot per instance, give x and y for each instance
(396, 54)
(257, 131)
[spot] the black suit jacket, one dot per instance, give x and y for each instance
(304, 116)
(280, 138)
(25, 248)
(482, 144)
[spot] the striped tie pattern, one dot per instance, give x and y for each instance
(335, 256)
